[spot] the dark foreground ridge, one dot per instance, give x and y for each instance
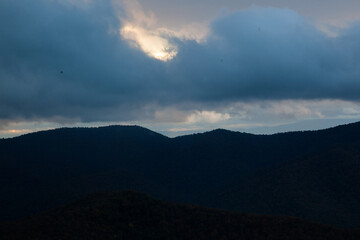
(132, 216)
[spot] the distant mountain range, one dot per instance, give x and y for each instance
(132, 216)
(313, 174)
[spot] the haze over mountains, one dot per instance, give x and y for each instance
(312, 174)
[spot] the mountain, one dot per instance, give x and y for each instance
(42, 170)
(129, 215)
(220, 168)
(322, 187)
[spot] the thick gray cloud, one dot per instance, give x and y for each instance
(60, 61)
(175, 13)
(271, 54)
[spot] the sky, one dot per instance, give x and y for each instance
(179, 67)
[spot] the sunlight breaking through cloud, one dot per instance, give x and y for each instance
(150, 42)
(207, 116)
(140, 29)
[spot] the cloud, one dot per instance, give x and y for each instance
(140, 29)
(70, 62)
(270, 54)
(207, 117)
(171, 115)
(265, 117)
(58, 60)
(328, 15)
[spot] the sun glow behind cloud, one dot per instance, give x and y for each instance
(140, 29)
(143, 31)
(150, 42)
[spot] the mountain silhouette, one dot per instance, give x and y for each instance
(310, 174)
(129, 215)
(320, 187)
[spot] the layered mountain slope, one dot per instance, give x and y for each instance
(131, 216)
(42, 170)
(323, 187)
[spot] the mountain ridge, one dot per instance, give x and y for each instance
(53, 167)
(217, 130)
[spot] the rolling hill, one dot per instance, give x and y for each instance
(311, 174)
(322, 187)
(131, 216)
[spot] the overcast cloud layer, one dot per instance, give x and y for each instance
(61, 61)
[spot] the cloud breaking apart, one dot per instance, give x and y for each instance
(90, 61)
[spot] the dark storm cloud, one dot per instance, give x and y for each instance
(272, 54)
(61, 61)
